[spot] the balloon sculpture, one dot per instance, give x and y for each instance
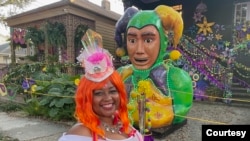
(160, 94)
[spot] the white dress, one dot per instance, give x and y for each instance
(66, 137)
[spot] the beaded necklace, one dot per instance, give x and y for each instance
(113, 129)
(117, 128)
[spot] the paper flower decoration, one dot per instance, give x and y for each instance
(227, 43)
(213, 47)
(248, 37)
(18, 36)
(96, 60)
(205, 27)
(219, 27)
(201, 7)
(210, 37)
(218, 36)
(220, 45)
(3, 90)
(197, 17)
(200, 38)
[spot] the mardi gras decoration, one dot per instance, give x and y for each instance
(120, 28)
(18, 38)
(96, 60)
(165, 90)
(205, 27)
(3, 90)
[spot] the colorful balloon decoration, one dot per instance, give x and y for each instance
(161, 95)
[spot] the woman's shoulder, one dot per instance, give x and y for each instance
(78, 132)
(69, 137)
(79, 129)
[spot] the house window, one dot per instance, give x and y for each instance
(242, 12)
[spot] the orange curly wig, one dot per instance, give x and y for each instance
(83, 99)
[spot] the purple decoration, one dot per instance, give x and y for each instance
(25, 84)
(204, 72)
(201, 7)
(200, 38)
(18, 36)
(241, 34)
(219, 28)
(220, 45)
(197, 17)
(122, 23)
(148, 137)
(238, 27)
(31, 82)
(157, 74)
(199, 94)
(243, 83)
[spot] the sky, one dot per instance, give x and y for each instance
(116, 6)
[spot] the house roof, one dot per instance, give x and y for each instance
(60, 8)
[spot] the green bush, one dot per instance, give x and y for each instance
(46, 90)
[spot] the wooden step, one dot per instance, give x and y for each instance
(241, 94)
(241, 98)
(239, 89)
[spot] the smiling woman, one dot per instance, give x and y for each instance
(101, 99)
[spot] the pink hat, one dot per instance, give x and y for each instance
(96, 60)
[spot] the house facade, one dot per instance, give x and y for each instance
(73, 14)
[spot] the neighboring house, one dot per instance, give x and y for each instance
(3, 38)
(5, 54)
(5, 57)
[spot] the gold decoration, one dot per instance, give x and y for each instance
(120, 52)
(144, 87)
(33, 88)
(205, 27)
(77, 81)
(218, 36)
(175, 55)
(171, 20)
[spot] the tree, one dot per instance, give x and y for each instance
(12, 6)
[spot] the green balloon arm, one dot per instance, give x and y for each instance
(181, 90)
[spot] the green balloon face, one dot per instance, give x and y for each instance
(150, 17)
